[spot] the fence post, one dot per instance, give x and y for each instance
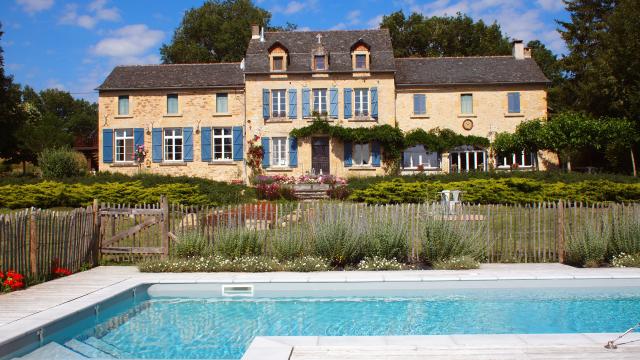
(164, 205)
(95, 239)
(560, 231)
(33, 243)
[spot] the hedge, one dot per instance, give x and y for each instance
(499, 191)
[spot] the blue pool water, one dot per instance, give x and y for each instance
(222, 328)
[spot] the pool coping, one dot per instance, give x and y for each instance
(94, 286)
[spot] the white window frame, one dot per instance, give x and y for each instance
(222, 137)
(227, 97)
(358, 155)
(279, 106)
(361, 102)
(423, 96)
(122, 135)
(461, 103)
(516, 158)
(279, 153)
(170, 138)
(470, 156)
(320, 101)
(420, 160)
(122, 97)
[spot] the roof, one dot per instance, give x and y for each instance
(300, 45)
(174, 76)
(468, 71)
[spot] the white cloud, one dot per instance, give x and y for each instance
(34, 6)
(55, 84)
(304, 28)
(97, 11)
(338, 26)
(130, 44)
(295, 6)
(374, 23)
(551, 5)
(354, 16)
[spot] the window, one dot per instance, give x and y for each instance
(361, 154)
(320, 101)
(319, 62)
(466, 104)
(418, 155)
(419, 104)
(172, 104)
(173, 144)
(123, 105)
(466, 158)
(222, 103)
(514, 102)
(278, 63)
(362, 102)
(361, 61)
(279, 146)
(278, 103)
(521, 159)
(124, 145)
(222, 144)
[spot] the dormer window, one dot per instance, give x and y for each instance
(361, 61)
(360, 56)
(278, 57)
(278, 63)
(319, 62)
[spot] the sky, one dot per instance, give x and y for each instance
(73, 45)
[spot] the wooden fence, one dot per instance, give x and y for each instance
(32, 240)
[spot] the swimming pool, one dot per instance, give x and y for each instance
(207, 321)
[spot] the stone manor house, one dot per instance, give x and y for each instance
(196, 119)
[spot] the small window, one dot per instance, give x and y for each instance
(419, 104)
(514, 102)
(319, 61)
(361, 102)
(173, 144)
(123, 105)
(278, 103)
(417, 155)
(361, 61)
(320, 101)
(278, 63)
(361, 154)
(466, 104)
(279, 151)
(172, 104)
(222, 103)
(124, 145)
(222, 144)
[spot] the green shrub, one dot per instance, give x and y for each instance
(625, 234)
(388, 240)
(457, 263)
(287, 246)
(377, 264)
(587, 244)
(339, 242)
(307, 264)
(446, 239)
(626, 260)
(191, 244)
(57, 163)
(235, 243)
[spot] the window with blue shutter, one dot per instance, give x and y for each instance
(187, 134)
(238, 143)
(333, 98)
(293, 103)
(172, 104)
(266, 154)
(375, 154)
(156, 145)
(138, 139)
(347, 103)
(374, 102)
(306, 109)
(205, 144)
(293, 152)
(107, 146)
(466, 104)
(348, 154)
(265, 103)
(514, 102)
(419, 104)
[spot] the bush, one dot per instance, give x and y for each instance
(377, 264)
(238, 242)
(457, 263)
(339, 242)
(388, 240)
(446, 239)
(191, 244)
(625, 235)
(307, 264)
(626, 260)
(58, 163)
(587, 244)
(286, 247)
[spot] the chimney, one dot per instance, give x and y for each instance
(518, 49)
(527, 53)
(255, 32)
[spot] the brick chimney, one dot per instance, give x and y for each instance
(518, 49)
(255, 32)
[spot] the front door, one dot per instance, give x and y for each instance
(320, 155)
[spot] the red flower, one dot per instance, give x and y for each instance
(12, 275)
(61, 272)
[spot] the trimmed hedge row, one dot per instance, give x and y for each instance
(499, 191)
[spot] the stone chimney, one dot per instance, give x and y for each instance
(518, 49)
(527, 53)
(255, 32)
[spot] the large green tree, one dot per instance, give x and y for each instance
(11, 114)
(217, 31)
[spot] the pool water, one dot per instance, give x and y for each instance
(222, 328)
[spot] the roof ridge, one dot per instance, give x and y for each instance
(187, 64)
(452, 57)
(315, 31)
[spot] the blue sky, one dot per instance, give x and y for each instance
(73, 45)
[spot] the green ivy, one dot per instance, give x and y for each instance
(441, 140)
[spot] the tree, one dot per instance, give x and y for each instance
(552, 69)
(11, 115)
(217, 31)
(457, 35)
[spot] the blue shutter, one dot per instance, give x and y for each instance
(305, 103)
(107, 146)
(187, 133)
(347, 103)
(374, 102)
(266, 154)
(514, 102)
(205, 144)
(293, 152)
(238, 144)
(375, 154)
(333, 96)
(419, 104)
(265, 103)
(348, 157)
(293, 103)
(138, 137)
(156, 144)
